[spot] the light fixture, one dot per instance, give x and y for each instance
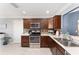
(24, 12)
(47, 12)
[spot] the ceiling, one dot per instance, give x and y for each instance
(40, 9)
(32, 10)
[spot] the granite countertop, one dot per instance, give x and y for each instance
(25, 34)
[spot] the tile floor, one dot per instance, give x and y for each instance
(16, 49)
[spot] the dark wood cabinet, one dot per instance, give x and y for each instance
(35, 20)
(25, 41)
(56, 49)
(48, 42)
(44, 23)
(26, 23)
(44, 41)
(57, 22)
(60, 50)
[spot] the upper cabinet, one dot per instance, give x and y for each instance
(26, 23)
(57, 22)
(44, 24)
(35, 20)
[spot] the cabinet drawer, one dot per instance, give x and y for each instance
(24, 40)
(25, 45)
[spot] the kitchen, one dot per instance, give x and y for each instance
(32, 30)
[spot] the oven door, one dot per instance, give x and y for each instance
(34, 39)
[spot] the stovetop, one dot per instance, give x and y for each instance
(35, 34)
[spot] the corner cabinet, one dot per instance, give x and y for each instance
(57, 22)
(25, 41)
(44, 42)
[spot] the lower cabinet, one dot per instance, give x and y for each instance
(60, 50)
(53, 50)
(56, 49)
(25, 41)
(48, 42)
(44, 41)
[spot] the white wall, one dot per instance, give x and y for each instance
(9, 28)
(8, 11)
(17, 30)
(14, 28)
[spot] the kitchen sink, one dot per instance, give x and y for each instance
(67, 42)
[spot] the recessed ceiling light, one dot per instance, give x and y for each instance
(47, 12)
(24, 12)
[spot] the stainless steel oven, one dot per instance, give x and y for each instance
(34, 39)
(35, 33)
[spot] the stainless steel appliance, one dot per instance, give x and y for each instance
(35, 34)
(35, 25)
(35, 38)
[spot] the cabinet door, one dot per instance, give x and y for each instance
(50, 42)
(57, 22)
(44, 24)
(53, 50)
(25, 41)
(26, 23)
(44, 41)
(58, 52)
(62, 50)
(53, 47)
(35, 20)
(56, 49)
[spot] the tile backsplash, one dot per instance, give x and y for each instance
(25, 30)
